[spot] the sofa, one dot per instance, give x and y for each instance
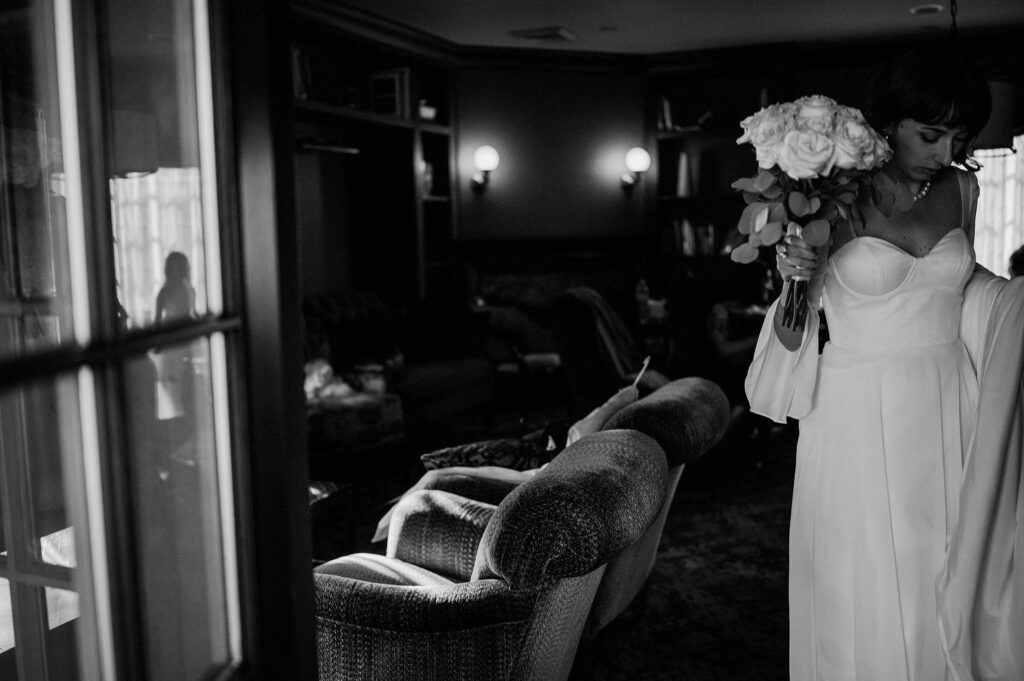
(431, 358)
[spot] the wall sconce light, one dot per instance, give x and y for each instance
(485, 159)
(637, 162)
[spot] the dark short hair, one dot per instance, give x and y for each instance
(176, 265)
(935, 84)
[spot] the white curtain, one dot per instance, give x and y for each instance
(999, 228)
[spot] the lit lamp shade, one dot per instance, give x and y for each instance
(638, 160)
(485, 158)
(998, 134)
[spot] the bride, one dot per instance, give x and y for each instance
(908, 493)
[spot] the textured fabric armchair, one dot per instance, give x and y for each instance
(470, 590)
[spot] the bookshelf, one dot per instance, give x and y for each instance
(373, 130)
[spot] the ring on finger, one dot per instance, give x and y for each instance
(782, 251)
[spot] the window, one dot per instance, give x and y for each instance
(119, 397)
(999, 226)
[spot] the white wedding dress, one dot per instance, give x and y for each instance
(887, 413)
(879, 465)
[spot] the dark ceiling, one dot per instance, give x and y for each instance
(645, 27)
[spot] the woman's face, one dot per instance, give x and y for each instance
(920, 150)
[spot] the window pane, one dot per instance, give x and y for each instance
(6, 618)
(40, 436)
(174, 465)
(40, 430)
(160, 247)
(35, 310)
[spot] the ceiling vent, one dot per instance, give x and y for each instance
(546, 34)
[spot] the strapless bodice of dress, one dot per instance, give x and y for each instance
(877, 296)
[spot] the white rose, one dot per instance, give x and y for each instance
(816, 113)
(805, 154)
(854, 145)
(765, 131)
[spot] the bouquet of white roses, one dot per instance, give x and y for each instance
(813, 156)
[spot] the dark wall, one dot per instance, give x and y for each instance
(562, 133)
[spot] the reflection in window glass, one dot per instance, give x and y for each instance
(159, 249)
(6, 617)
(40, 433)
(174, 466)
(61, 606)
(35, 311)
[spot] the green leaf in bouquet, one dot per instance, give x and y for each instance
(817, 232)
(773, 192)
(847, 197)
(751, 197)
(798, 204)
(745, 253)
(770, 233)
(764, 180)
(814, 205)
(777, 212)
(747, 184)
(843, 213)
(753, 217)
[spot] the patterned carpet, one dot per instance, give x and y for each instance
(716, 600)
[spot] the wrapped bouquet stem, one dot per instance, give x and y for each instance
(814, 156)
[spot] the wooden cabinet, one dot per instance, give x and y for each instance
(373, 128)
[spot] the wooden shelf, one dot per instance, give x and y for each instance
(390, 207)
(336, 111)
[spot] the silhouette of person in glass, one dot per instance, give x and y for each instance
(176, 298)
(176, 301)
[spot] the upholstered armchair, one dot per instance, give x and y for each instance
(475, 591)
(686, 417)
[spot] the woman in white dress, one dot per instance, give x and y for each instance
(888, 410)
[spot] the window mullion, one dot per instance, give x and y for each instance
(28, 602)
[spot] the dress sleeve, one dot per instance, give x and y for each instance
(980, 590)
(780, 382)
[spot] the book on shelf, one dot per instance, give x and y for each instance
(685, 237)
(389, 92)
(300, 74)
(665, 115)
(683, 175)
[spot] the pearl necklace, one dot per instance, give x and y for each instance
(923, 191)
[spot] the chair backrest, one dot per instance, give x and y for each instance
(686, 418)
(596, 348)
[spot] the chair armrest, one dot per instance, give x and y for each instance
(463, 631)
(439, 531)
(595, 498)
(686, 417)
